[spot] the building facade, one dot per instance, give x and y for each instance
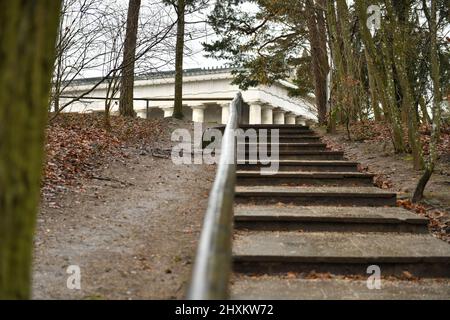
(154, 94)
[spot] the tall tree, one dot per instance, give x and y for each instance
(180, 9)
(398, 14)
(28, 32)
(183, 8)
(380, 71)
(127, 85)
(317, 35)
(437, 97)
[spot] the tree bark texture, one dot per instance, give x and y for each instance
(127, 86)
(28, 32)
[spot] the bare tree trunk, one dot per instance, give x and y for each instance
(350, 95)
(127, 86)
(323, 61)
(111, 91)
(351, 81)
(423, 107)
(27, 44)
(178, 106)
(399, 35)
(338, 69)
(435, 71)
(373, 88)
(317, 36)
(391, 97)
(59, 62)
(382, 76)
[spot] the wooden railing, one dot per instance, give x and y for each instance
(212, 268)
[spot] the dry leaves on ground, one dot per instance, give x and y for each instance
(381, 132)
(78, 144)
(439, 221)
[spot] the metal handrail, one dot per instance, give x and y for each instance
(212, 269)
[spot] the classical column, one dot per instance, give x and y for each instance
(267, 114)
(301, 121)
(225, 112)
(255, 112)
(278, 116)
(168, 111)
(291, 118)
(198, 113)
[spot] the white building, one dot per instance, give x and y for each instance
(265, 105)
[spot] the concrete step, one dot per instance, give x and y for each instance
(275, 126)
(328, 219)
(316, 196)
(308, 155)
(287, 146)
(297, 139)
(290, 138)
(278, 288)
(340, 252)
(288, 130)
(281, 132)
(249, 178)
(286, 232)
(306, 166)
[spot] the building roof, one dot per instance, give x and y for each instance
(161, 75)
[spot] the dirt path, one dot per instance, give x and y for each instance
(133, 232)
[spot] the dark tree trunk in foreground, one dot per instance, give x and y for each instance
(127, 85)
(178, 106)
(436, 130)
(28, 31)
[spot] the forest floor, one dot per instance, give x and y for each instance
(115, 205)
(372, 147)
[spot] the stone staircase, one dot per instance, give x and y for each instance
(312, 230)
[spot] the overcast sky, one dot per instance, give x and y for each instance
(198, 59)
(162, 58)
